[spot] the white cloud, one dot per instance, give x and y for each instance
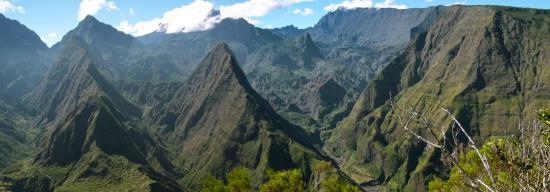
(429, 1)
(91, 7)
(350, 4)
(268, 27)
(390, 4)
(52, 35)
(458, 3)
(305, 11)
(255, 8)
(199, 15)
(131, 12)
(353, 4)
(111, 6)
(50, 38)
(7, 6)
(194, 16)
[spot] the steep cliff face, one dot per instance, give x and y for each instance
(364, 40)
(369, 26)
(219, 122)
(488, 65)
(23, 60)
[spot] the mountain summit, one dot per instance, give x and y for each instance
(118, 49)
(219, 117)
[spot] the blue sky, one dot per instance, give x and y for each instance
(52, 19)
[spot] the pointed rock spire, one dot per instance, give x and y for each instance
(88, 20)
(219, 65)
(308, 47)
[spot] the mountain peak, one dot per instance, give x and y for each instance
(308, 47)
(90, 26)
(233, 22)
(89, 20)
(218, 113)
(222, 48)
(219, 65)
(221, 56)
(111, 44)
(306, 40)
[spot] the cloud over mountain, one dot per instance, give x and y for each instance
(201, 15)
(198, 15)
(353, 4)
(6, 6)
(91, 7)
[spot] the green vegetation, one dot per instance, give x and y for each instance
(113, 173)
(434, 73)
(544, 117)
(238, 180)
(212, 184)
(4, 186)
(517, 163)
(333, 184)
(330, 180)
(287, 181)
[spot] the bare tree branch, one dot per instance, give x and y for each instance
(473, 145)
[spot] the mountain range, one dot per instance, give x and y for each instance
(107, 111)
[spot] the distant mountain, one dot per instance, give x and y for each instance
(219, 122)
(365, 40)
(154, 68)
(290, 31)
(23, 59)
(354, 45)
(486, 64)
(295, 77)
(187, 49)
(381, 28)
(150, 96)
(119, 50)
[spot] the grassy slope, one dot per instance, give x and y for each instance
(486, 64)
